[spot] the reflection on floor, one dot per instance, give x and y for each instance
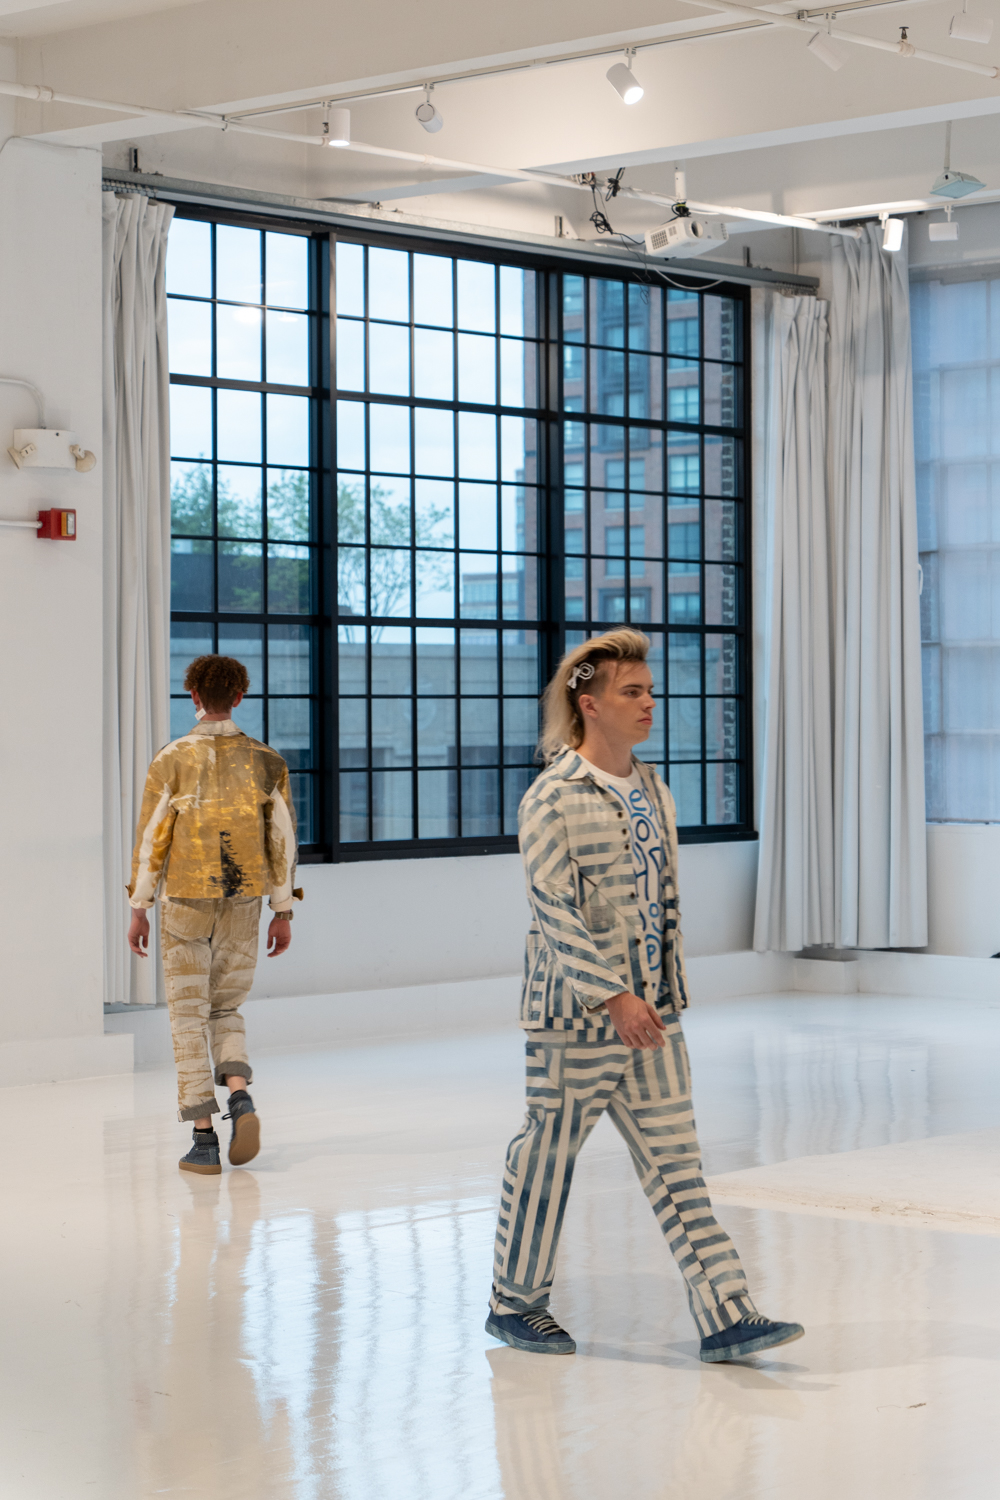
(312, 1327)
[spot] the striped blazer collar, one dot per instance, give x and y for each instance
(572, 767)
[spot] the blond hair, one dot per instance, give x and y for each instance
(562, 721)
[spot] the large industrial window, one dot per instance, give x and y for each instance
(402, 523)
(654, 515)
(956, 362)
(243, 351)
(438, 596)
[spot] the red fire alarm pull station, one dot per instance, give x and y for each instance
(57, 525)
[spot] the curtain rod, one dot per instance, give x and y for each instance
(345, 215)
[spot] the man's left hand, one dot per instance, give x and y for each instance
(279, 935)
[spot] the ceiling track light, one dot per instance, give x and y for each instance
(623, 80)
(944, 229)
(336, 126)
(966, 28)
(428, 116)
(820, 46)
(892, 233)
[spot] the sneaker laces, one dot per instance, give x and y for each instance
(541, 1322)
(754, 1319)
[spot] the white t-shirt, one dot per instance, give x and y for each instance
(648, 857)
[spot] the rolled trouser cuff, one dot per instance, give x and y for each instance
(506, 1299)
(724, 1315)
(241, 1068)
(199, 1111)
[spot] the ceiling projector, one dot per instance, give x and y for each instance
(956, 184)
(686, 236)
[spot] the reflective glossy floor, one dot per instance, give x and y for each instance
(312, 1327)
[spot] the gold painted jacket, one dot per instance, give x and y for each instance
(217, 820)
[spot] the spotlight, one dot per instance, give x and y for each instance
(943, 229)
(623, 80)
(336, 127)
(428, 115)
(966, 28)
(892, 235)
(820, 47)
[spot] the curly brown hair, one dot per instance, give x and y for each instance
(218, 681)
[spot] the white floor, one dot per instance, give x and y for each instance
(312, 1327)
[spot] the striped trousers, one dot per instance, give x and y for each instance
(570, 1083)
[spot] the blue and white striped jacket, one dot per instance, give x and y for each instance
(584, 944)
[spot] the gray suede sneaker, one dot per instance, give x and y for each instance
(244, 1143)
(204, 1154)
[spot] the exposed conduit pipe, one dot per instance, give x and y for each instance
(760, 216)
(40, 93)
(856, 38)
(39, 398)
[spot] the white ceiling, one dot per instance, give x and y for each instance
(38, 17)
(759, 121)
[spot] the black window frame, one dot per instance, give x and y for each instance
(551, 624)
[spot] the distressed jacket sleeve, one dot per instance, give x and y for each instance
(281, 846)
(553, 898)
(153, 835)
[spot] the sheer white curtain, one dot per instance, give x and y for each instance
(879, 812)
(137, 550)
(795, 905)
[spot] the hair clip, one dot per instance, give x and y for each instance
(583, 673)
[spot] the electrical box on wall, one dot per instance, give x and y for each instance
(57, 525)
(49, 448)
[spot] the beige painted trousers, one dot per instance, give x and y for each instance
(209, 956)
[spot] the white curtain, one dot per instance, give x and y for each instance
(137, 551)
(795, 905)
(880, 889)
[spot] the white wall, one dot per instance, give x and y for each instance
(963, 889)
(51, 902)
(394, 923)
(718, 888)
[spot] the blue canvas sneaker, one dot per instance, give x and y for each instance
(535, 1332)
(204, 1154)
(749, 1336)
(244, 1142)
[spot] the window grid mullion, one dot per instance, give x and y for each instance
(548, 588)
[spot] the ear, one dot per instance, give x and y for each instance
(588, 705)
(195, 699)
(237, 701)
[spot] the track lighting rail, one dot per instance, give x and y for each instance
(510, 174)
(902, 48)
(755, 20)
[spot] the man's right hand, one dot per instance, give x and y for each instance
(636, 1022)
(138, 932)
